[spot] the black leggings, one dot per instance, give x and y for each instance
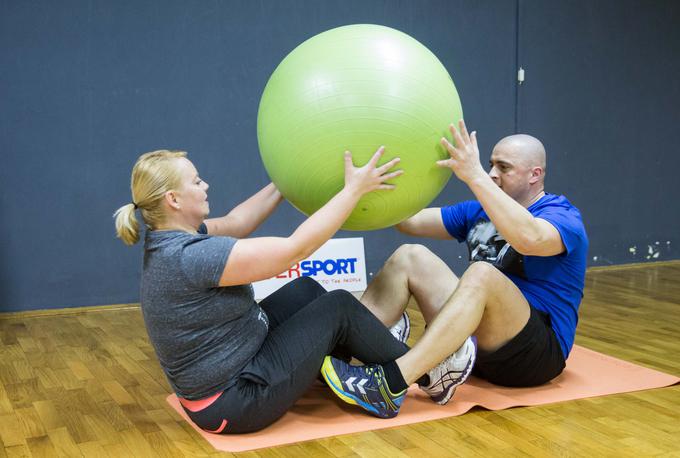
(306, 323)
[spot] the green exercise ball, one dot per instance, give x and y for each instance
(356, 88)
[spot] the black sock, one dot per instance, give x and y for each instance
(424, 380)
(394, 378)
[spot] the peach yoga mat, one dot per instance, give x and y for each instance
(320, 414)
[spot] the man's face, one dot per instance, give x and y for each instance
(509, 171)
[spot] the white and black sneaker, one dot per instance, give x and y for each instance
(453, 371)
(402, 328)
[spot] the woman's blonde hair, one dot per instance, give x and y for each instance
(153, 175)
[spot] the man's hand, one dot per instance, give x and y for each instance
(464, 160)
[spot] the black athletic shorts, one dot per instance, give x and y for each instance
(533, 357)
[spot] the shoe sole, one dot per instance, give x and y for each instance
(333, 381)
(466, 374)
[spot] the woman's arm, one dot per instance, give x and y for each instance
(263, 257)
(247, 216)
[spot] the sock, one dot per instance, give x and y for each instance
(424, 380)
(393, 376)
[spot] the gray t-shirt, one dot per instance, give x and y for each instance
(203, 334)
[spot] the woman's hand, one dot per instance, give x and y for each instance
(368, 178)
(263, 257)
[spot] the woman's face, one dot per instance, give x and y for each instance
(192, 196)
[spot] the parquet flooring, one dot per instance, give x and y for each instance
(86, 382)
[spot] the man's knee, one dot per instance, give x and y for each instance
(409, 256)
(480, 274)
(505, 309)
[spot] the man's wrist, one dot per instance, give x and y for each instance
(478, 179)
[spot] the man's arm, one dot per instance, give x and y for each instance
(425, 223)
(247, 216)
(525, 233)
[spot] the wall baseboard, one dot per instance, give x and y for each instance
(67, 311)
(634, 265)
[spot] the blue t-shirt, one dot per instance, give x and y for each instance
(552, 284)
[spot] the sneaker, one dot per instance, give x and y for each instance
(364, 386)
(402, 328)
(453, 371)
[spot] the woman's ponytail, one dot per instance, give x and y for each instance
(127, 226)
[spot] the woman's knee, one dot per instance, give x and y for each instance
(307, 282)
(307, 286)
(341, 303)
(342, 297)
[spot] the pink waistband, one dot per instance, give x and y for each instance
(199, 404)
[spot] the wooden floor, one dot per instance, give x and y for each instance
(88, 384)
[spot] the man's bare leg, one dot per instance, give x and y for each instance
(411, 270)
(485, 303)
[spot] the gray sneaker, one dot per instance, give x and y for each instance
(402, 328)
(453, 371)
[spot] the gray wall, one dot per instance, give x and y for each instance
(87, 86)
(603, 92)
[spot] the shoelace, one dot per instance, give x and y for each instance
(370, 372)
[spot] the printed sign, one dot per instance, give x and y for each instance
(337, 264)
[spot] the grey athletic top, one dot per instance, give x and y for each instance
(203, 334)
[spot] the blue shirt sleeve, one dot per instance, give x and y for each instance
(455, 218)
(568, 223)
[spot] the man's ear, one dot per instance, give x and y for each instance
(536, 174)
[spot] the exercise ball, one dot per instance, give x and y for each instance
(356, 88)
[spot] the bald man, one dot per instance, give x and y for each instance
(520, 295)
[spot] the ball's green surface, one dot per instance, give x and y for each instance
(356, 88)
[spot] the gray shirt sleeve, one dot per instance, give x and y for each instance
(203, 260)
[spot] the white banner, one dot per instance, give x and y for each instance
(337, 264)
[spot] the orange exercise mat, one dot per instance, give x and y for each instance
(320, 414)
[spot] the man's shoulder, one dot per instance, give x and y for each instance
(552, 202)
(466, 206)
(561, 213)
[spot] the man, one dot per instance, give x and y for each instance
(519, 297)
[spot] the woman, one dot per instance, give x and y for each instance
(237, 366)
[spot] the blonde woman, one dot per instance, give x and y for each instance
(237, 366)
